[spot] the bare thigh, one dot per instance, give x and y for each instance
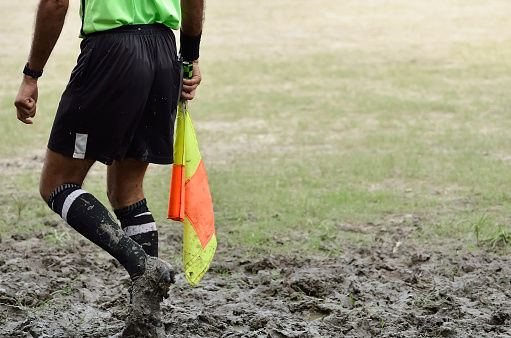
(124, 182)
(59, 169)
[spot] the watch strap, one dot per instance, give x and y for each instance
(32, 73)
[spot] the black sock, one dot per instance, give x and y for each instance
(138, 223)
(90, 218)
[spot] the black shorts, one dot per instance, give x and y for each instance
(122, 96)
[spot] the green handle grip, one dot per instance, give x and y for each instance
(188, 70)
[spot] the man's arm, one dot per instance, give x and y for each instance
(48, 26)
(192, 16)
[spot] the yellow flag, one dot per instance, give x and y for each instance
(190, 200)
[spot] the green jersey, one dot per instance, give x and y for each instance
(102, 15)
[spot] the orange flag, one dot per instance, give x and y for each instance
(190, 200)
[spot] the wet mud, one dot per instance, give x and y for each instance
(67, 287)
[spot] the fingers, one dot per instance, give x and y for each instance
(25, 109)
(190, 86)
(26, 101)
(26, 121)
(188, 95)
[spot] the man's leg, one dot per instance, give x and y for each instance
(60, 187)
(125, 180)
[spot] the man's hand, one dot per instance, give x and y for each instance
(189, 86)
(49, 20)
(26, 100)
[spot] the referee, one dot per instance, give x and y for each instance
(118, 108)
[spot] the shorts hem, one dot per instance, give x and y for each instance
(148, 159)
(109, 160)
(88, 156)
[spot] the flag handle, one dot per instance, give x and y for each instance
(187, 74)
(188, 70)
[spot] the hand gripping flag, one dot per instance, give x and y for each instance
(190, 200)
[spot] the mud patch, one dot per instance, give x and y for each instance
(75, 290)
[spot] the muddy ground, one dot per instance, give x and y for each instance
(55, 284)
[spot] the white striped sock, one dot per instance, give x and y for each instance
(69, 201)
(140, 229)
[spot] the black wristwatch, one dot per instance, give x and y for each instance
(32, 73)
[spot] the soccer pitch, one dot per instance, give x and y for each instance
(325, 126)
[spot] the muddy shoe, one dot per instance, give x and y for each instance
(148, 291)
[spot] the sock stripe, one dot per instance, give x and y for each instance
(136, 221)
(143, 214)
(140, 229)
(69, 201)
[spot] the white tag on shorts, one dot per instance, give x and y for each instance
(80, 145)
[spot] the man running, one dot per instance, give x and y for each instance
(118, 108)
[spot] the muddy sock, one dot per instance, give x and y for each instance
(90, 218)
(138, 223)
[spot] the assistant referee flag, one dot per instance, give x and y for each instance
(190, 200)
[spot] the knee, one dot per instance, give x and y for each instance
(122, 196)
(59, 169)
(116, 198)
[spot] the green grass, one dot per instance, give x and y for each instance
(296, 144)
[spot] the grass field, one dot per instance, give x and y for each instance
(313, 118)
(359, 157)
